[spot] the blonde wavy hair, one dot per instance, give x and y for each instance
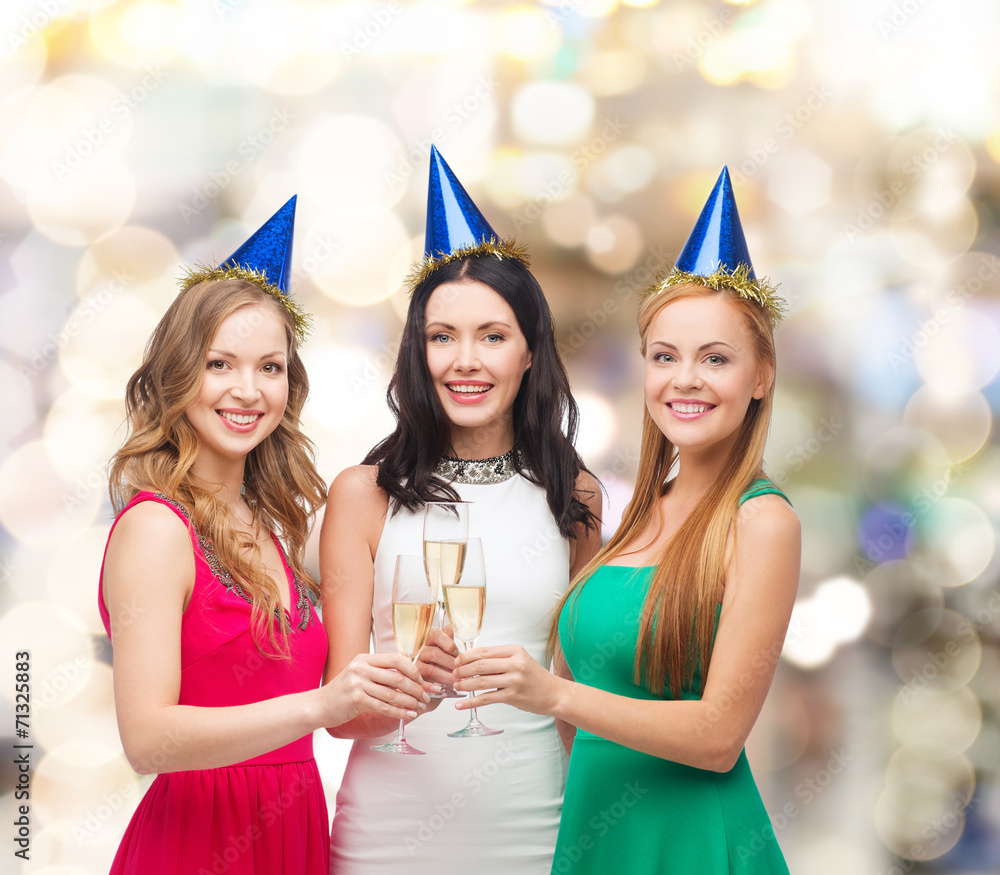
(686, 587)
(281, 484)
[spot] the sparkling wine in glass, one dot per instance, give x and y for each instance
(412, 613)
(465, 601)
(446, 533)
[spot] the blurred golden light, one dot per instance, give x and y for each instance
(992, 143)
(39, 505)
(353, 250)
(937, 761)
(339, 395)
(526, 34)
(614, 244)
(923, 715)
(616, 71)
(74, 777)
(541, 178)
(69, 130)
(902, 462)
(60, 647)
(974, 276)
(352, 158)
(800, 182)
(589, 8)
(22, 64)
(919, 818)
(89, 716)
(959, 534)
(86, 208)
(141, 258)
(836, 613)
(552, 113)
(106, 335)
(285, 50)
(18, 400)
(73, 575)
(930, 168)
(959, 351)
(942, 660)
(598, 425)
(932, 238)
(960, 420)
(624, 171)
(80, 432)
(140, 34)
(569, 221)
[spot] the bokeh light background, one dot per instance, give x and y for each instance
(863, 139)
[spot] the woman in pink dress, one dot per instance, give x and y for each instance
(218, 650)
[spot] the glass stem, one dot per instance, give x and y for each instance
(401, 732)
(474, 715)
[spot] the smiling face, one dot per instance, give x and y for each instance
(701, 372)
(245, 386)
(477, 356)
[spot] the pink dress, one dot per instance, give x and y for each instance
(265, 815)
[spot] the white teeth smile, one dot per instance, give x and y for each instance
(240, 418)
(689, 408)
(469, 390)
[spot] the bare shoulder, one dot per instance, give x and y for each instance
(149, 536)
(357, 483)
(356, 505)
(154, 526)
(768, 518)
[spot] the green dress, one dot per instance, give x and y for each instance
(626, 811)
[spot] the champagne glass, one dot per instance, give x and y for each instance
(412, 613)
(466, 603)
(446, 532)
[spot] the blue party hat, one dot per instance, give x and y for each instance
(269, 249)
(717, 239)
(716, 253)
(456, 228)
(265, 260)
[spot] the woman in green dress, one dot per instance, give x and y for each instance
(667, 641)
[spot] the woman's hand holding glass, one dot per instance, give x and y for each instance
(510, 675)
(437, 660)
(385, 683)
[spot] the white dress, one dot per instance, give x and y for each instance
(473, 806)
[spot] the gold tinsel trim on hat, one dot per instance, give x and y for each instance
(500, 248)
(202, 273)
(760, 291)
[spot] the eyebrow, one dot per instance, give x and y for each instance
(485, 325)
(221, 353)
(700, 348)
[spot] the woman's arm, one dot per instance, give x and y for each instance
(708, 733)
(147, 608)
(352, 526)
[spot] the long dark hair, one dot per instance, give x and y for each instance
(406, 459)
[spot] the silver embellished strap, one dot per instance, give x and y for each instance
(480, 471)
(302, 603)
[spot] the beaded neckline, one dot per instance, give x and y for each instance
(302, 603)
(480, 471)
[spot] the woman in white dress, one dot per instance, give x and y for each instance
(481, 398)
